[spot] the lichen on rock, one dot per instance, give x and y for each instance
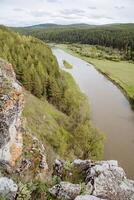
(11, 105)
(8, 188)
(102, 179)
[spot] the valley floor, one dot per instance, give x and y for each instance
(121, 72)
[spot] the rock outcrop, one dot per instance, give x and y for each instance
(8, 188)
(11, 104)
(87, 197)
(66, 190)
(21, 154)
(102, 179)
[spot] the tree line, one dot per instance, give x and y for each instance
(121, 37)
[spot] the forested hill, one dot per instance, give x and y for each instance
(119, 36)
(34, 64)
(60, 114)
(53, 26)
(76, 26)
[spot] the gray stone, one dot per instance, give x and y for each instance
(8, 188)
(87, 197)
(58, 167)
(11, 104)
(89, 188)
(110, 182)
(82, 164)
(126, 190)
(65, 190)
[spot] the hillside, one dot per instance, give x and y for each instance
(76, 26)
(37, 70)
(54, 26)
(57, 130)
(24, 157)
(116, 36)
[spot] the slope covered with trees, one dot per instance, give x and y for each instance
(34, 64)
(38, 71)
(117, 36)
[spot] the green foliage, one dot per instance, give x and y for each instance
(2, 198)
(87, 142)
(121, 73)
(83, 188)
(35, 66)
(118, 36)
(67, 65)
(60, 141)
(24, 192)
(40, 191)
(68, 166)
(97, 52)
(35, 190)
(59, 131)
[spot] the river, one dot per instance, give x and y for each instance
(110, 110)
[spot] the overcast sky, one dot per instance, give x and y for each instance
(29, 12)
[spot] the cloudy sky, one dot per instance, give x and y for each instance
(29, 12)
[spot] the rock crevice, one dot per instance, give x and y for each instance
(102, 180)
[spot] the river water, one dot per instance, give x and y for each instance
(110, 110)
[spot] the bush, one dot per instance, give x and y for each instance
(23, 192)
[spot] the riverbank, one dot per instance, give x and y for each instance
(110, 110)
(120, 73)
(62, 132)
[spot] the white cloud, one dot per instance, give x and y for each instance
(28, 12)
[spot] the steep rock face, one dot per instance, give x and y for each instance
(21, 154)
(11, 104)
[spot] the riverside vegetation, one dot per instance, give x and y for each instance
(110, 48)
(57, 113)
(116, 36)
(67, 65)
(109, 62)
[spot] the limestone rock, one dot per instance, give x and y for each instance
(102, 179)
(82, 164)
(110, 181)
(11, 104)
(65, 190)
(8, 188)
(87, 197)
(89, 188)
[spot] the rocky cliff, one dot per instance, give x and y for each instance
(21, 154)
(24, 156)
(11, 104)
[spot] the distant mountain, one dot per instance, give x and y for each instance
(50, 26)
(55, 26)
(118, 26)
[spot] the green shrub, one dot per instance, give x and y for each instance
(23, 192)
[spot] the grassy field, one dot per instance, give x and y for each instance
(121, 73)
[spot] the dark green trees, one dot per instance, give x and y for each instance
(35, 66)
(119, 37)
